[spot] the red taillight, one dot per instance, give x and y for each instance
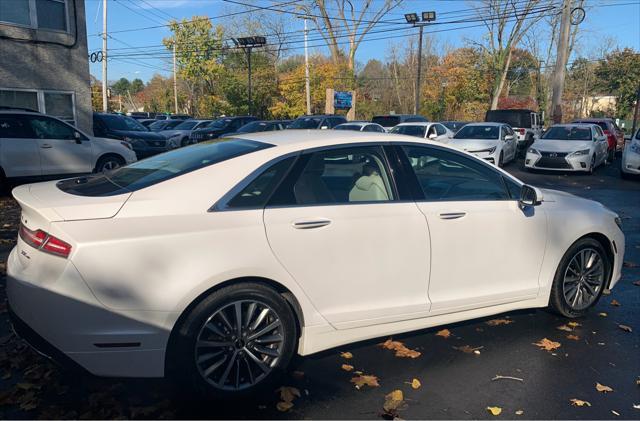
(607, 132)
(40, 240)
(521, 131)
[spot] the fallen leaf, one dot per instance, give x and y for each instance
(603, 314)
(347, 367)
(494, 410)
(365, 380)
(346, 355)
(602, 388)
(606, 291)
(625, 328)
(630, 264)
(565, 328)
(393, 402)
(467, 349)
(615, 303)
(547, 344)
(415, 384)
(573, 337)
(445, 333)
(579, 402)
(519, 412)
(288, 393)
(497, 322)
(616, 413)
(401, 350)
(284, 406)
(574, 324)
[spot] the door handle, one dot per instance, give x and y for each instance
(452, 215)
(309, 224)
(46, 146)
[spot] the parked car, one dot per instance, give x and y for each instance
(493, 142)
(631, 157)
(454, 126)
(223, 260)
(569, 147)
(260, 126)
(219, 127)
(432, 131)
(360, 126)
(526, 124)
(147, 121)
(142, 115)
(161, 125)
(615, 136)
(391, 120)
(35, 146)
(180, 134)
(328, 121)
(172, 117)
(144, 142)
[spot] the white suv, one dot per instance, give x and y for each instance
(33, 145)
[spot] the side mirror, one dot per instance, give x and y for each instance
(433, 136)
(508, 137)
(530, 196)
(78, 137)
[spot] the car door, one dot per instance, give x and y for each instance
(339, 228)
(19, 155)
(601, 144)
(509, 145)
(485, 249)
(441, 133)
(61, 152)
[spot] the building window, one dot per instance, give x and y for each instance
(54, 103)
(37, 14)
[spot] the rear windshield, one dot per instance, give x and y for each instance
(602, 124)
(386, 120)
(568, 133)
(161, 167)
(186, 125)
(119, 122)
(306, 123)
(409, 130)
(478, 132)
(514, 118)
(348, 127)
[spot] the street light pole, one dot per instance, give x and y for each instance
(247, 44)
(248, 50)
(175, 80)
(105, 101)
(414, 20)
(306, 68)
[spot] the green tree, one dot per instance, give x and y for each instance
(121, 86)
(136, 86)
(619, 75)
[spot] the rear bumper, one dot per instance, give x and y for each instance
(630, 163)
(62, 319)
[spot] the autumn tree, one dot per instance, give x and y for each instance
(619, 75)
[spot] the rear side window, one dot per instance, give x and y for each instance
(161, 167)
(258, 191)
(13, 127)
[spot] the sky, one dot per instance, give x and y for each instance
(136, 52)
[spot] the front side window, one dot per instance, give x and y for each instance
(440, 130)
(13, 127)
(48, 128)
(338, 176)
(258, 191)
(448, 176)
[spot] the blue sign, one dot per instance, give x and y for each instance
(342, 100)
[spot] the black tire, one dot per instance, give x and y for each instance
(184, 142)
(183, 350)
(558, 300)
(501, 160)
(611, 156)
(109, 162)
(592, 166)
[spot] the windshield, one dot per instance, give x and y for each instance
(305, 123)
(186, 125)
(602, 124)
(220, 123)
(161, 167)
(348, 127)
(118, 122)
(568, 133)
(158, 125)
(514, 118)
(386, 120)
(453, 125)
(409, 130)
(254, 126)
(478, 132)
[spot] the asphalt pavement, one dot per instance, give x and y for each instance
(482, 363)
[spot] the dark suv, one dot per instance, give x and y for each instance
(144, 142)
(317, 122)
(220, 127)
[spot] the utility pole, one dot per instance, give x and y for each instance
(306, 68)
(561, 63)
(105, 101)
(175, 81)
(416, 105)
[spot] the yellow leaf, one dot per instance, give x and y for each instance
(347, 367)
(393, 401)
(603, 389)
(573, 337)
(401, 350)
(603, 314)
(615, 303)
(365, 380)
(616, 413)
(288, 393)
(415, 383)
(579, 402)
(574, 324)
(445, 333)
(497, 322)
(346, 355)
(565, 328)
(519, 412)
(547, 344)
(495, 410)
(284, 406)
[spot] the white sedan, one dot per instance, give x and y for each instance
(631, 157)
(433, 131)
(493, 142)
(569, 147)
(215, 264)
(361, 126)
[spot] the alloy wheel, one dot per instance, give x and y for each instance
(110, 165)
(583, 279)
(239, 345)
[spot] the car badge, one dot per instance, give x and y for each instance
(553, 155)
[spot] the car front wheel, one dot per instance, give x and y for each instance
(236, 341)
(109, 163)
(580, 278)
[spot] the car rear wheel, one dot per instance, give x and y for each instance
(611, 155)
(236, 341)
(109, 163)
(580, 278)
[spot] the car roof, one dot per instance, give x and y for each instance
(19, 111)
(357, 123)
(416, 123)
(586, 120)
(488, 123)
(574, 124)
